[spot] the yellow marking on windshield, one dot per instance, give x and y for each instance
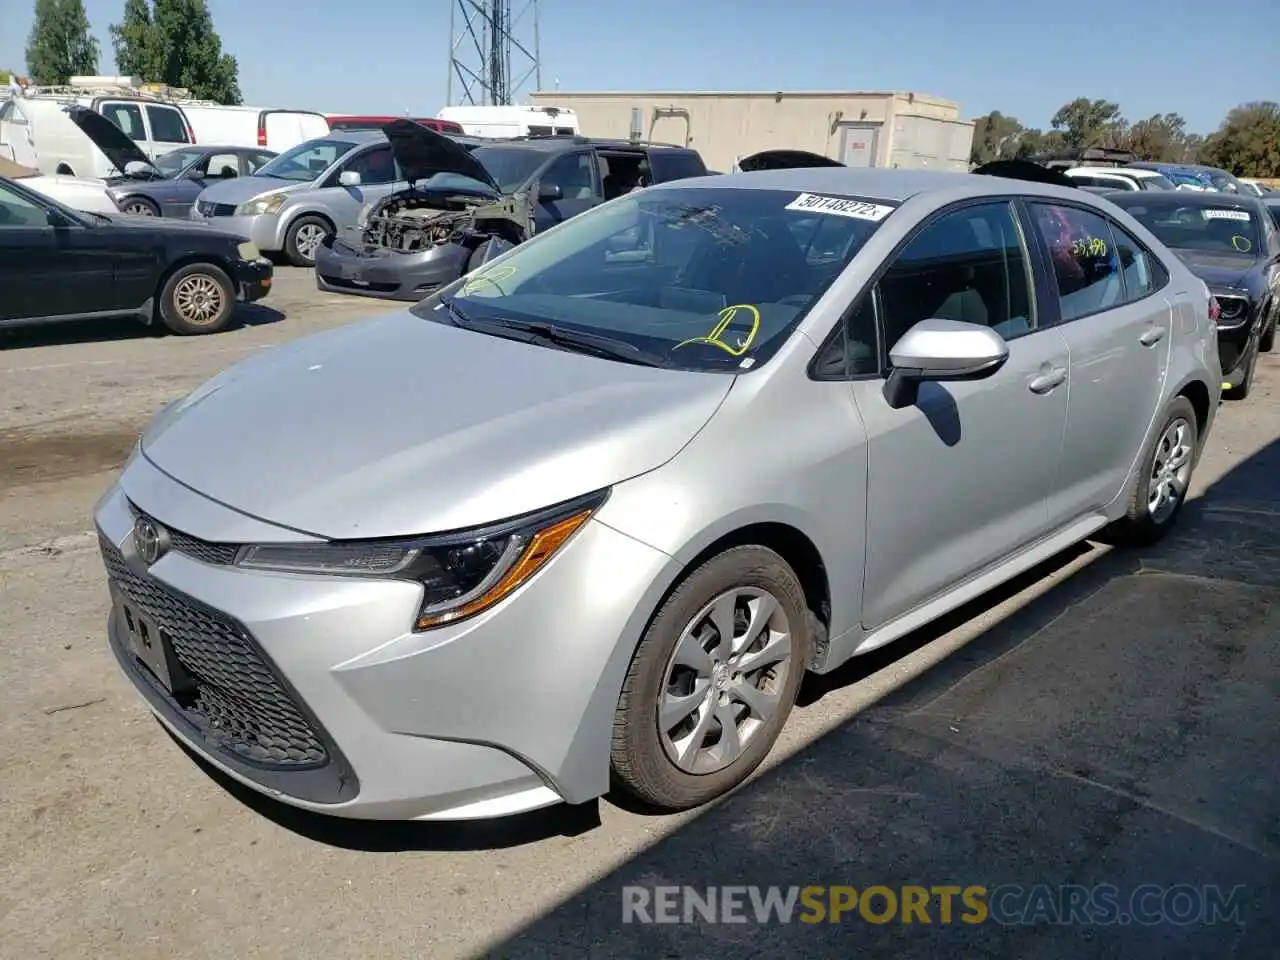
(490, 278)
(1242, 244)
(727, 316)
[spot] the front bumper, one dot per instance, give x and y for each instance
(386, 274)
(315, 691)
(253, 278)
(262, 230)
(1234, 346)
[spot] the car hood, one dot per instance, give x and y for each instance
(1217, 270)
(107, 137)
(238, 190)
(170, 226)
(422, 153)
(784, 160)
(399, 426)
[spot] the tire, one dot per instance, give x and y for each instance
(301, 250)
(1246, 385)
(642, 757)
(197, 299)
(1141, 526)
(139, 207)
(1268, 340)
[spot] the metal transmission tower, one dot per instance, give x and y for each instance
(493, 51)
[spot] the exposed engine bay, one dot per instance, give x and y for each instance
(418, 220)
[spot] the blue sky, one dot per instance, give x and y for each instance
(1019, 57)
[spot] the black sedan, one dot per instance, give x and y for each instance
(60, 264)
(168, 185)
(1231, 242)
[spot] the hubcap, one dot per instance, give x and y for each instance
(724, 680)
(1170, 471)
(308, 238)
(139, 209)
(199, 299)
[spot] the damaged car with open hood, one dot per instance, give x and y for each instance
(454, 216)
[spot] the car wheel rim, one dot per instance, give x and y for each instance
(139, 209)
(724, 680)
(307, 239)
(199, 299)
(1170, 471)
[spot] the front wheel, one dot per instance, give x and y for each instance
(198, 298)
(1160, 488)
(1241, 391)
(303, 240)
(139, 207)
(712, 682)
(1269, 337)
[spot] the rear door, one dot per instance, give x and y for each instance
(1115, 311)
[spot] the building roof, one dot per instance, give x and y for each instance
(660, 94)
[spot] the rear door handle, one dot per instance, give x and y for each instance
(1152, 336)
(1047, 381)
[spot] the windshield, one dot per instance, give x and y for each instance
(1158, 182)
(306, 161)
(176, 161)
(1205, 227)
(707, 279)
(510, 167)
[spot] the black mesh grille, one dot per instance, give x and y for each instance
(216, 209)
(194, 547)
(238, 705)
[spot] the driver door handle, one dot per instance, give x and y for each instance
(1047, 381)
(1152, 336)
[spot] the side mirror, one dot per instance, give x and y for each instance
(349, 178)
(194, 174)
(550, 192)
(56, 219)
(135, 168)
(941, 350)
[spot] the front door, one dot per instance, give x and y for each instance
(961, 479)
(577, 175)
(859, 143)
(1118, 323)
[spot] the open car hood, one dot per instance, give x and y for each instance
(1025, 170)
(107, 137)
(784, 160)
(422, 153)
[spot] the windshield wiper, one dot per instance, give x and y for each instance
(578, 340)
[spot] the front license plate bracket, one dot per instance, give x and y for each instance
(151, 646)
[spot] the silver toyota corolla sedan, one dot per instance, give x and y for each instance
(588, 515)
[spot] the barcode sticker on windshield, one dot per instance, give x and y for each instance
(840, 207)
(1226, 215)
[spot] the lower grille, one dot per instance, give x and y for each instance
(375, 286)
(237, 704)
(216, 209)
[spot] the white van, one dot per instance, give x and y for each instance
(512, 121)
(272, 129)
(36, 132)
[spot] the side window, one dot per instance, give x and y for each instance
(968, 265)
(253, 161)
(126, 116)
(1135, 265)
(17, 211)
(221, 166)
(6, 110)
(1085, 265)
(374, 166)
(575, 175)
(167, 125)
(675, 165)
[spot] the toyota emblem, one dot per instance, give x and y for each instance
(148, 539)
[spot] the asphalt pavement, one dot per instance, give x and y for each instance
(1106, 723)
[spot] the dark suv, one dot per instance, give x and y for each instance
(469, 201)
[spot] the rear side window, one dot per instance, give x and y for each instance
(167, 125)
(1135, 265)
(126, 116)
(675, 165)
(1085, 266)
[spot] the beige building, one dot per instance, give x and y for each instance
(860, 129)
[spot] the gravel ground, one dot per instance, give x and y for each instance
(1110, 719)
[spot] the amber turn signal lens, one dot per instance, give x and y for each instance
(542, 546)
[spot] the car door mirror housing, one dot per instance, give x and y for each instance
(349, 178)
(941, 350)
(550, 192)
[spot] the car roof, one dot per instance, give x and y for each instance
(879, 183)
(1114, 171)
(1181, 198)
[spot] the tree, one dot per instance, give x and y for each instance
(1248, 141)
(995, 137)
(1162, 136)
(1090, 123)
(173, 42)
(60, 45)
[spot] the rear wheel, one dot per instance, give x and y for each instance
(304, 238)
(139, 207)
(1160, 488)
(712, 681)
(197, 298)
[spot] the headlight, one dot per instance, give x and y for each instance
(461, 574)
(1232, 310)
(248, 251)
(267, 203)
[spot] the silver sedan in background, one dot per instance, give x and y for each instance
(588, 514)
